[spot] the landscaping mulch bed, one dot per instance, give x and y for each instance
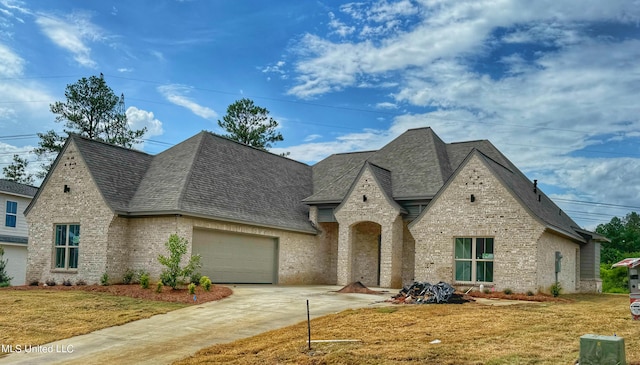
(539, 297)
(217, 292)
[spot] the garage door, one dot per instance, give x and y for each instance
(236, 258)
(16, 257)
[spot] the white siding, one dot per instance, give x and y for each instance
(20, 229)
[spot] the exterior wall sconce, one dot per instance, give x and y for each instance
(364, 198)
(473, 198)
(67, 188)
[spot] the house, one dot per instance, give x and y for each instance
(417, 209)
(14, 199)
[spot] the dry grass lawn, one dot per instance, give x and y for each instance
(40, 316)
(528, 333)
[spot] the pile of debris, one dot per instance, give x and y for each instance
(425, 293)
(357, 287)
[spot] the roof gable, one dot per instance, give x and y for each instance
(117, 171)
(544, 209)
(382, 178)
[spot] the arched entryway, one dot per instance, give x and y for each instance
(366, 253)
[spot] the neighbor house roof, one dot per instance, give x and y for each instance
(14, 188)
(206, 176)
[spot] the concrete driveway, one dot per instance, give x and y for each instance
(165, 338)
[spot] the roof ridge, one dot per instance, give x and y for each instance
(255, 148)
(187, 178)
(376, 165)
(359, 166)
(76, 135)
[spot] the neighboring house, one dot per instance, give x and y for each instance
(417, 209)
(14, 199)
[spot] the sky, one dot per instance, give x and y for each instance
(554, 85)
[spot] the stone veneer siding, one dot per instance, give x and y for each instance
(377, 208)
(83, 205)
(495, 213)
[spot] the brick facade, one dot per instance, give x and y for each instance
(370, 242)
(112, 244)
(523, 251)
(376, 208)
(82, 204)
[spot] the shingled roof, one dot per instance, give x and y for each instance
(206, 176)
(212, 176)
(420, 164)
(14, 188)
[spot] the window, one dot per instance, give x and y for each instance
(67, 243)
(474, 259)
(12, 211)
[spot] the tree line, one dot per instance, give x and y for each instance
(624, 234)
(94, 111)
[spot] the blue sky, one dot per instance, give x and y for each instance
(553, 84)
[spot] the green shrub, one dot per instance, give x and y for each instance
(144, 281)
(104, 280)
(34, 283)
(127, 278)
(530, 293)
(80, 282)
(205, 283)
(192, 288)
(486, 291)
(5, 284)
(66, 282)
(195, 278)
(159, 286)
(174, 274)
(614, 280)
(555, 289)
(508, 291)
(4, 277)
(50, 282)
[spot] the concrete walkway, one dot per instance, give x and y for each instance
(168, 337)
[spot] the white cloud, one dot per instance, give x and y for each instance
(11, 64)
(138, 119)
(125, 69)
(386, 105)
(73, 34)
(338, 27)
(312, 137)
(176, 94)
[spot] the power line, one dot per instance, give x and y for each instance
(584, 202)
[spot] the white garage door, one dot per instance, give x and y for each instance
(236, 258)
(16, 264)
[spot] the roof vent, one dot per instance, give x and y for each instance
(535, 186)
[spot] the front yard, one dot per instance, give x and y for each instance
(37, 315)
(528, 333)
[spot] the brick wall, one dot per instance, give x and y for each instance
(569, 275)
(83, 205)
(302, 258)
(494, 213)
(376, 208)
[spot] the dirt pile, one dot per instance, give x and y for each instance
(357, 287)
